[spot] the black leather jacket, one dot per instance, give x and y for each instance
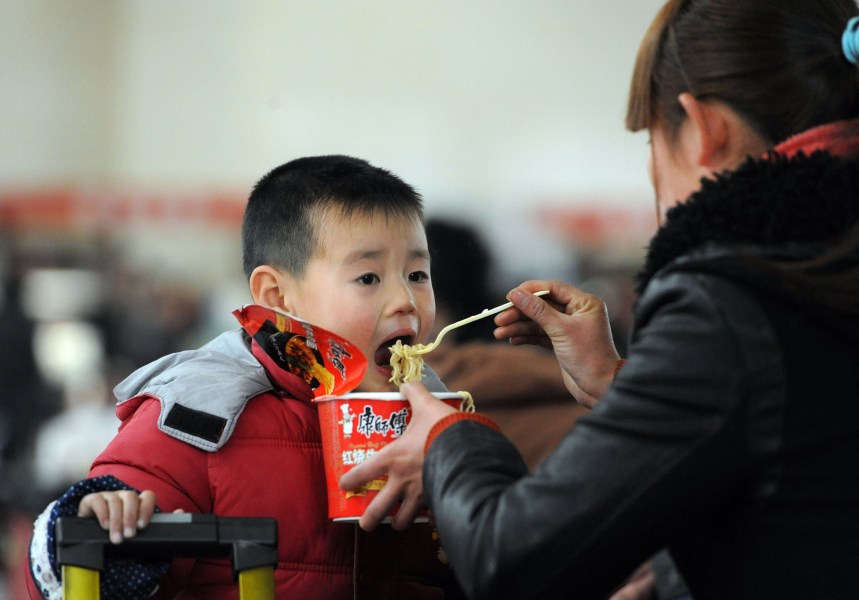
(731, 436)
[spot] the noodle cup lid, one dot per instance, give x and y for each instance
(330, 364)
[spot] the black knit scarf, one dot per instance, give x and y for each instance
(766, 202)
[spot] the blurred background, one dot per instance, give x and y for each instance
(132, 131)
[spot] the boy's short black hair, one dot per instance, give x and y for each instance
(284, 208)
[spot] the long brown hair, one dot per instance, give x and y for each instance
(778, 63)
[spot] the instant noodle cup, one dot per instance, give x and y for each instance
(354, 428)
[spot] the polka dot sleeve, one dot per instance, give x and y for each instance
(121, 579)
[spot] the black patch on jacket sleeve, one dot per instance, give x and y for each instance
(196, 423)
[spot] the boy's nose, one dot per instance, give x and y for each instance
(404, 300)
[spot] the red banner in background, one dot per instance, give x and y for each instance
(588, 225)
(64, 209)
(593, 226)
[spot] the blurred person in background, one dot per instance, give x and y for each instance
(27, 399)
(97, 318)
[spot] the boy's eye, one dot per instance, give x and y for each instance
(418, 276)
(369, 279)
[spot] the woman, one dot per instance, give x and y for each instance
(731, 436)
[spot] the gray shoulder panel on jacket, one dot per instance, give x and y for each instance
(202, 392)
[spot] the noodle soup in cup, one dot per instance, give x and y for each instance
(356, 426)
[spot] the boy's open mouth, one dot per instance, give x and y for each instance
(382, 357)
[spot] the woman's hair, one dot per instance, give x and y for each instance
(777, 63)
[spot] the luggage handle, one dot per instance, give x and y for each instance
(252, 541)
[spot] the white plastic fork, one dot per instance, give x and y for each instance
(486, 312)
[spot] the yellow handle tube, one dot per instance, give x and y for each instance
(256, 583)
(80, 583)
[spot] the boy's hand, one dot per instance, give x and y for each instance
(122, 513)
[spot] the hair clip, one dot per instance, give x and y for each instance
(850, 41)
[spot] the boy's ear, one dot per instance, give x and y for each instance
(711, 125)
(269, 288)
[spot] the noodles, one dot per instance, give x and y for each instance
(467, 404)
(406, 363)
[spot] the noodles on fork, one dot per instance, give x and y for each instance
(406, 363)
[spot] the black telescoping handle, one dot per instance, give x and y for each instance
(251, 541)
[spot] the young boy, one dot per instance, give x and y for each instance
(339, 244)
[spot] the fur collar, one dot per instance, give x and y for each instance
(767, 202)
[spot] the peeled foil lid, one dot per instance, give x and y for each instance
(330, 364)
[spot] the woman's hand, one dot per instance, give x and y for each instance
(122, 513)
(640, 586)
(402, 460)
(574, 325)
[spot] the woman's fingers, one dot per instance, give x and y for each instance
(406, 513)
(573, 324)
(380, 507)
(402, 461)
(519, 325)
(370, 469)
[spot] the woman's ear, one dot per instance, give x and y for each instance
(269, 287)
(711, 127)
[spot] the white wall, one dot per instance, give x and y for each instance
(57, 86)
(489, 107)
(481, 102)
